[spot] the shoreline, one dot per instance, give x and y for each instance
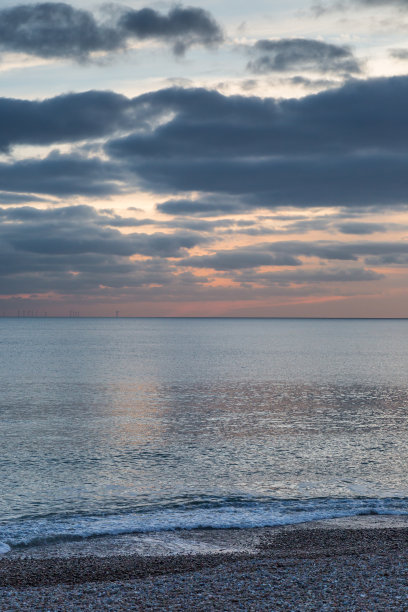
(346, 563)
(190, 541)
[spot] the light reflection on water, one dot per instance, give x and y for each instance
(108, 416)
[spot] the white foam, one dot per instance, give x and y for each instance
(275, 513)
(4, 548)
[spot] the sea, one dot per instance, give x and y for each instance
(125, 427)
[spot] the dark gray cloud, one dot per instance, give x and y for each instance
(402, 3)
(312, 83)
(75, 250)
(361, 227)
(343, 147)
(199, 225)
(328, 275)
(303, 226)
(90, 274)
(61, 176)
(56, 29)
(326, 224)
(203, 207)
(349, 180)
(108, 218)
(389, 259)
(298, 54)
(346, 251)
(18, 198)
(65, 118)
(70, 215)
(75, 230)
(239, 259)
(287, 253)
(182, 27)
(401, 54)
(363, 114)
(320, 8)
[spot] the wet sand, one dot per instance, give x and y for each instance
(345, 564)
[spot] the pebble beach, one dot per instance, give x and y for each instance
(354, 564)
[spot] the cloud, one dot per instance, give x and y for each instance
(66, 118)
(402, 3)
(58, 30)
(77, 230)
(18, 198)
(287, 253)
(401, 54)
(361, 227)
(98, 275)
(239, 259)
(299, 54)
(54, 29)
(331, 275)
(200, 225)
(343, 147)
(347, 180)
(389, 259)
(320, 8)
(346, 251)
(204, 207)
(335, 121)
(69, 215)
(75, 250)
(62, 175)
(312, 83)
(182, 27)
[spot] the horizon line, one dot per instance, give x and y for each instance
(260, 317)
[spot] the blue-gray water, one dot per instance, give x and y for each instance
(131, 425)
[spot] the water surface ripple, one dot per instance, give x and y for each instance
(115, 426)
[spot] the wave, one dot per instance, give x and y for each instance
(4, 548)
(219, 514)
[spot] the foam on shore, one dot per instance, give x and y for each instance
(240, 512)
(344, 564)
(196, 541)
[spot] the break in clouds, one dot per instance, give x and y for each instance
(58, 30)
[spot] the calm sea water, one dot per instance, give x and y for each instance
(113, 426)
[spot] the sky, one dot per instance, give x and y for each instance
(204, 159)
